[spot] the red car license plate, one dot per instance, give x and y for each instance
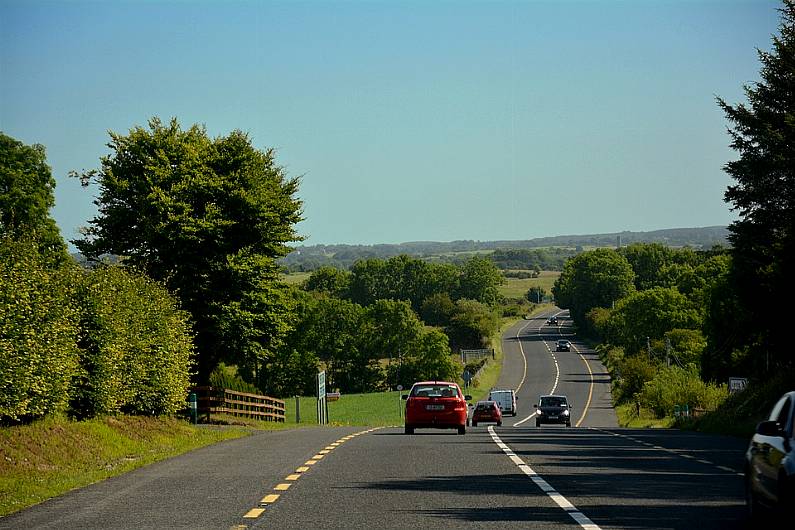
(434, 407)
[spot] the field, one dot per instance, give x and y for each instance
(518, 287)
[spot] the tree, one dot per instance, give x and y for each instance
(536, 294)
(647, 261)
(329, 280)
(471, 324)
(480, 280)
(596, 278)
(27, 195)
(763, 238)
(649, 314)
(208, 217)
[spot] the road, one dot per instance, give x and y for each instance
(516, 476)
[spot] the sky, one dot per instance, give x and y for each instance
(407, 120)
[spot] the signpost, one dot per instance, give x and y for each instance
(400, 400)
(193, 406)
(322, 404)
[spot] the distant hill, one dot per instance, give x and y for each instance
(310, 257)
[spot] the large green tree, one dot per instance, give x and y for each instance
(763, 238)
(208, 217)
(27, 193)
(595, 278)
(649, 315)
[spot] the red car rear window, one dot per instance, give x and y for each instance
(435, 391)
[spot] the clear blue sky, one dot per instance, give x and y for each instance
(407, 120)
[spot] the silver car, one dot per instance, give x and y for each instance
(770, 461)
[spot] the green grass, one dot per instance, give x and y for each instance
(518, 287)
(55, 455)
(628, 417)
(374, 409)
(295, 278)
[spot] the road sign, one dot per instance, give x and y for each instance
(321, 384)
(737, 384)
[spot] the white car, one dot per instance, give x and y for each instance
(506, 399)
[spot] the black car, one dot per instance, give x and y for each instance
(563, 345)
(770, 461)
(553, 321)
(553, 409)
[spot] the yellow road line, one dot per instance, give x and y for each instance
(302, 469)
(590, 389)
(282, 487)
(254, 513)
(295, 476)
(267, 499)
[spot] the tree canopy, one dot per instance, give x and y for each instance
(209, 218)
(27, 193)
(596, 278)
(763, 238)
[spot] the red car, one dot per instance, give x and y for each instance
(436, 405)
(487, 411)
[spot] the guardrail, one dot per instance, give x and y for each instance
(213, 400)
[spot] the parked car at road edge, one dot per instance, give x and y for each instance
(770, 463)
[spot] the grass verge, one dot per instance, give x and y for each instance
(628, 416)
(54, 455)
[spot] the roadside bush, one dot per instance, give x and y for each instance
(680, 386)
(135, 346)
(38, 330)
(635, 371)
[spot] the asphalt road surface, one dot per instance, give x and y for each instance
(593, 475)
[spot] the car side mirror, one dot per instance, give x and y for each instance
(769, 428)
(535, 405)
(404, 397)
(468, 398)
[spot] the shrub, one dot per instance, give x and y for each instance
(680, 386)
(135, 346)
(635, 371)
(38, 330)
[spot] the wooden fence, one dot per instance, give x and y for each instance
(212, 400)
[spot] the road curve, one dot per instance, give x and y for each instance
(533, 367)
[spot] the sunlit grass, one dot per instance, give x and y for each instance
(54, 455)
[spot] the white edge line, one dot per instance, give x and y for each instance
(553, 494)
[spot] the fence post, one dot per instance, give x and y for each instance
(297, 410)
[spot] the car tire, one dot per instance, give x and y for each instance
(462, 429)
(538, 423)
(409, 429)
(752, 506)
(499, 424)
(568, 424)
(474, 424)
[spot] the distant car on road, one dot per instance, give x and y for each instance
(506, 400)
(563, 345)
(770, 462)
(486, 411)
(552, 321)
(436, 405)
(553, 409)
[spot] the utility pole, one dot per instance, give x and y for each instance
(668, 351)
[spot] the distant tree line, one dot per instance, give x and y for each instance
(546, 253)
(387, 322)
